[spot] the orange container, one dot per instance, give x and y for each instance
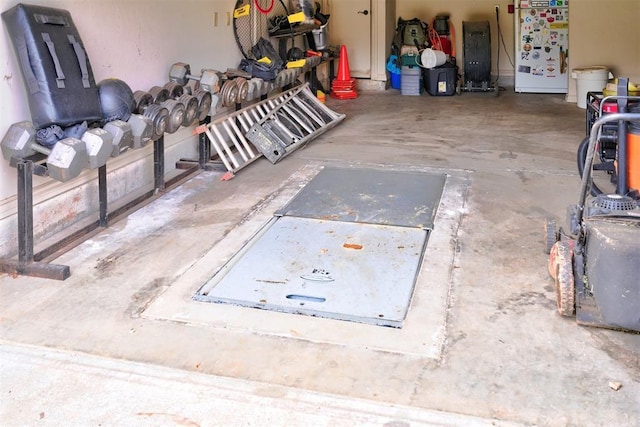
(633, 158)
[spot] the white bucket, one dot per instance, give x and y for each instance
(320, 37)
(432, 58)
(590, 79)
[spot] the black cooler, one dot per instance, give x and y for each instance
(442, 80)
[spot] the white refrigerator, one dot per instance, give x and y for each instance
(542, 46)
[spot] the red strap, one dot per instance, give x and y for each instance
(263, 10)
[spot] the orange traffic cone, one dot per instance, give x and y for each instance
(343, 66)
(343, 86)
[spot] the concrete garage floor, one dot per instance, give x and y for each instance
(121, 343)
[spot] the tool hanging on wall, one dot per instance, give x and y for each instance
(442, 35)
(264, 10)
(250, 23)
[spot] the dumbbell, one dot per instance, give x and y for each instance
(65, 160)
(228, 93)
(180, 73)
(134, 133)
(97, 142)
(122, 136)
(190, 102)
(99, 146)
(141, 129)
(205, 101)
(243, 89)
(159, 115)
(203, 98)
(234, 91)
(255, 85)
(176, 109)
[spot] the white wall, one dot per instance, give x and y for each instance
(136, 41)
(604, 33)
(468, 10)
(600, 32)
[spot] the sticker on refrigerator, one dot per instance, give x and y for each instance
(541, 3)
(537, 71)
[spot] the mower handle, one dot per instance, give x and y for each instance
(588, 161)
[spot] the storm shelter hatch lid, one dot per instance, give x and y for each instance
(372, 196)
(357, 262)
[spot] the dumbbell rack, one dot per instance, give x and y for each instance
(30, 263)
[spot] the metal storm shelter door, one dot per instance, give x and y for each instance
(349, 246)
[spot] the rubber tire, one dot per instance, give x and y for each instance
(564, 280)
(552, 236)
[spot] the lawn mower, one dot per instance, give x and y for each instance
(595, 263)
(621, 99)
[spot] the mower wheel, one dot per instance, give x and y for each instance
(563, 278)
(552, 234)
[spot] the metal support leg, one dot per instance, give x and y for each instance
(204, 149)
(158, 164)
(311, 41)
(102, 195)
(332, 72)
(25, 212)
(25, 264)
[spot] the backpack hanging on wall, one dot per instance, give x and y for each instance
(60, 86)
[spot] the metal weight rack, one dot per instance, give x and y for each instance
(36, 264)
(31, 263)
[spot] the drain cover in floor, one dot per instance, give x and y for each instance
(360, 269)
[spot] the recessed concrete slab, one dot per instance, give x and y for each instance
(423, 331)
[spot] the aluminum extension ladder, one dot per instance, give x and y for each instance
(274, 127)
